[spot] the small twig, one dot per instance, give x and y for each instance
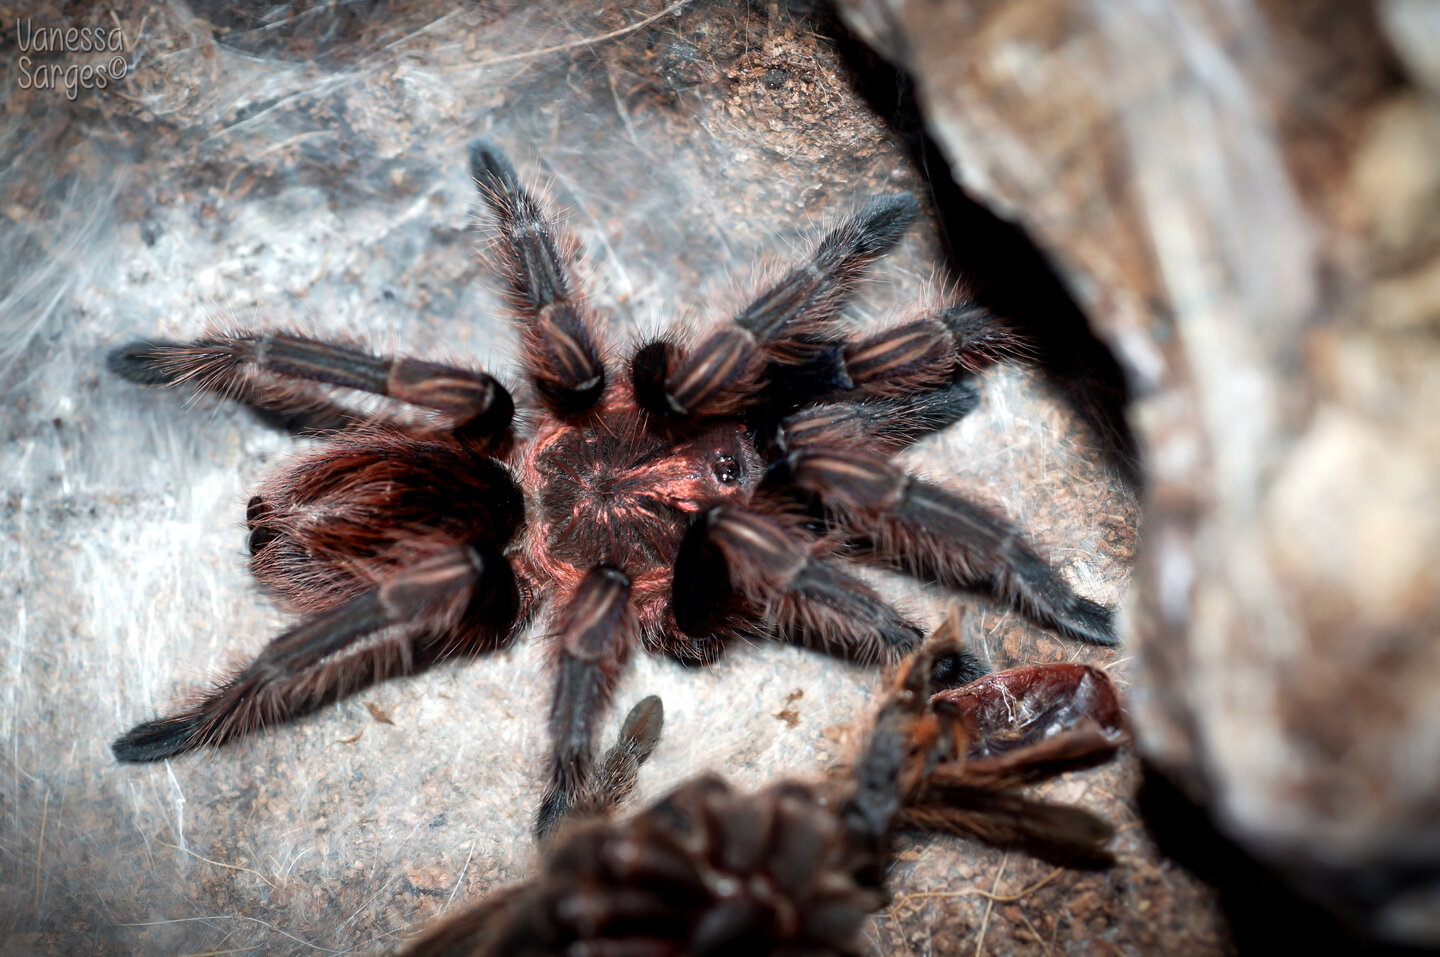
(266, 152)
(233, 867)
(1038, 939)
(584, 41)
(988, 895)
(40, 851)
(990, 905)
(456, 889)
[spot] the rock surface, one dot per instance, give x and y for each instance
(308, 170)
(1245, 198)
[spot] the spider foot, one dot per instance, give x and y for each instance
(935, 534)
(281, 376)
(955, 669)
(157, 740)
(1086, 620)
(145, 361)
(615, 775)
(492, 169)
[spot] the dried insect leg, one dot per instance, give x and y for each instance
(1049, 831)
(562, 350)
(457, 600)
(935, 534)
(1008, 729)
(786, 326)
(274, 372)
(596, 625)
(899, 751)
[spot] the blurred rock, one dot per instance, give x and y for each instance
(1245, 198)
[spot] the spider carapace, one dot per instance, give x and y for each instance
(712, 487)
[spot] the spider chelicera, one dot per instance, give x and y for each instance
(718, 488)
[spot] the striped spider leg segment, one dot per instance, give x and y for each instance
(787, 326)
(275, 373)
(444, 604)
(561, 345)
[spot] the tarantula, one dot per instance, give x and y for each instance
(717, 491)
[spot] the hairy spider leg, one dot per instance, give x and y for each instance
(293, 407)
(886, 425)
(906, 382)
(410, 621)
(805, 597)
(785, 326)
(935, 534)
(889, 389)
(927, 354)
(561, 345)
(272, 372)
(596, 627)
(617, 771)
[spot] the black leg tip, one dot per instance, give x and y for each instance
(968, 320)
(641, 730)
(1088, 621)
(143, 361)
(900, 636)
(156, 740)
(553, 809)
(944, 408)
(955, 670)
(885, 219)
(490, 168)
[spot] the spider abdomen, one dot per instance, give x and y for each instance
(334, 523)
